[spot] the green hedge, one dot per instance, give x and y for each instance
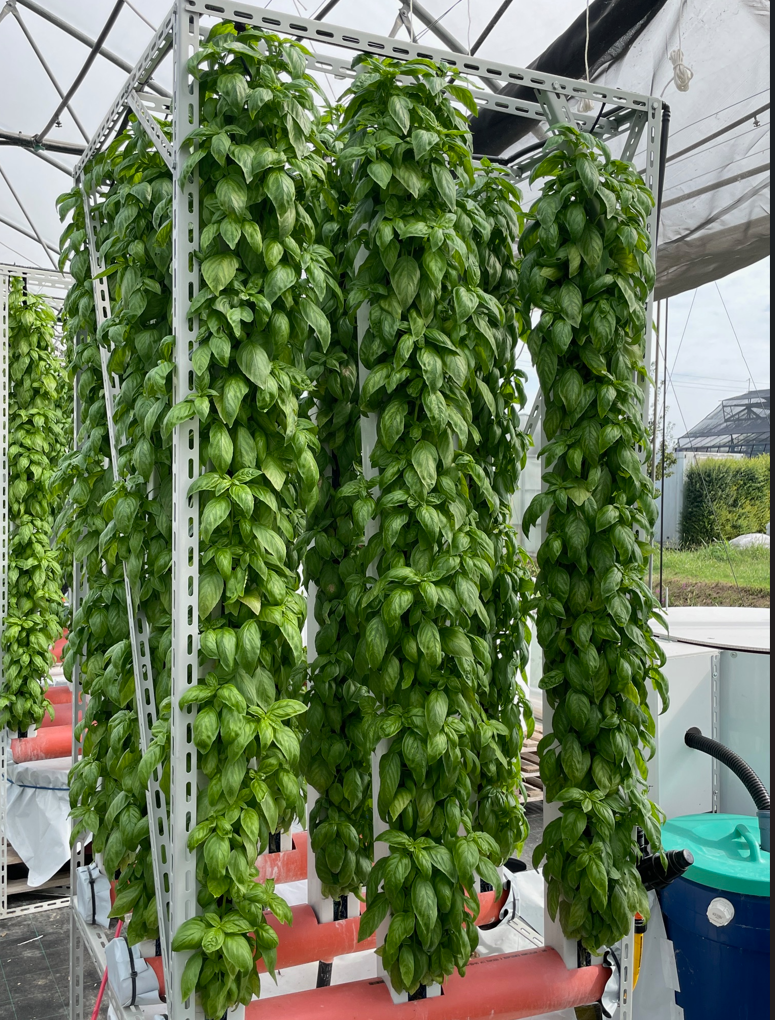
(737, 490)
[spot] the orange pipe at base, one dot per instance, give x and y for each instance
(512, 986)
(287, 865)
(48, 742)
(307, 940)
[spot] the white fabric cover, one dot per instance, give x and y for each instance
(38, 826)
(120, 963)
(93, 894)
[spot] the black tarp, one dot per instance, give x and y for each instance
(613, 26)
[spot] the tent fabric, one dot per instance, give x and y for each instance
(613, 26)
(716, 202)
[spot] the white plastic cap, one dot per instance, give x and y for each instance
(720, 912)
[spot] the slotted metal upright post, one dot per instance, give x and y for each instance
(77, 855)
(138, 625)
(5, 286)
(185, 508)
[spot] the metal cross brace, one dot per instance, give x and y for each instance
(139, 102)
(138, 625)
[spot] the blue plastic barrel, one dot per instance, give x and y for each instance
(718, 917)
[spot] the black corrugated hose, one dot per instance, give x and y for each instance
(741, 769)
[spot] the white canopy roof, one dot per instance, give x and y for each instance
(716, 200)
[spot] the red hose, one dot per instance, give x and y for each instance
(104, 982)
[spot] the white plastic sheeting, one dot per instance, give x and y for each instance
(37, 823)
(716, 212)
(716, 206)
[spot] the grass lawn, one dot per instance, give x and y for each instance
(704, 577)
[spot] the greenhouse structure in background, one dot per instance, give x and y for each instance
(739, 425)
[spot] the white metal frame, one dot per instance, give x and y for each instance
(138, 625)
(53, 287)
(180, 34)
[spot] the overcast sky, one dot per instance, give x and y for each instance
(709, 363)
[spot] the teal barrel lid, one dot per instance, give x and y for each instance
(726, 851)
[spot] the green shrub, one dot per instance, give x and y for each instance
(724, 499)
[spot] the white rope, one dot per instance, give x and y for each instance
(682, 74)
(586, 105)
(469, 25)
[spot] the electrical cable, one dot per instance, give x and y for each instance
(686, 324)
(715, 113)
(725, 166)
(6, 245)
(675, 156)
(585, 105)
(436, 22)
(734, 331)
(586, 47)
(141, 16)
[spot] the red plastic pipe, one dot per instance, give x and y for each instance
(508, 987)
(63, 716)
(307, 941)
(291, 866)
(60, 695)
(58, 648)
(49, 742)
(287, 865)
(104, 982)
